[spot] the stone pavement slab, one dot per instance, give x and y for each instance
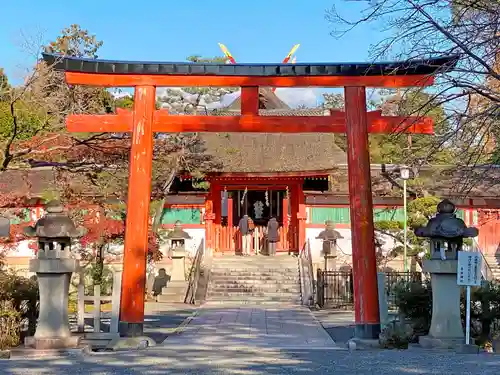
(263, 326)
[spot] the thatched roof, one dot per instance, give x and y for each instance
(269, 152)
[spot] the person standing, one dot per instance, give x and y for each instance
(273, 236)
(245, 226)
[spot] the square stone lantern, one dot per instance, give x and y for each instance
(53, 266)
(177, 239)
(329, 237)
(446, 233)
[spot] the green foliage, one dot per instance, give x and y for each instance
(396, 336)
(126, 102)
(10, 326)
(420, 210)
(75, 41)
(394, 148)
(18, 303)
(99, 274)
(414, 301)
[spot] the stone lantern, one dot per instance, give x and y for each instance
(177, 239)
(446, 233)
(53, 266)
(329, 237)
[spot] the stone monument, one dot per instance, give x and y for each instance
(329, 237)
(446, 233)
(53, 266)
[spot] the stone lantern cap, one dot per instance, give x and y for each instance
(329, 234)
(178, 233)
(446, 224)
(54, 224)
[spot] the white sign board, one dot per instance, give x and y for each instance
(469, 268)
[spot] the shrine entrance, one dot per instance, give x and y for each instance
(260, 199)
(144, 120)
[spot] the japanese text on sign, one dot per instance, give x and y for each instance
(469, 268)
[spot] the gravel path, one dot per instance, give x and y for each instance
(243, 340)
(256, 361)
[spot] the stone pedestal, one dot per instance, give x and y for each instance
(382, 300)
(330, 262)
(52, 331)
(446, 326)
(178, 265)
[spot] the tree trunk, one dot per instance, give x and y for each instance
(165, 191)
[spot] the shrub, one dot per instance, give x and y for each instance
(18, 308)
(396, 336)
(414, 301)
(10, 326)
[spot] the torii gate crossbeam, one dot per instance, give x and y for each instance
(143, 121)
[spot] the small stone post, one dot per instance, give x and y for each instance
(53, 266)
(446, 233)
(330, 237)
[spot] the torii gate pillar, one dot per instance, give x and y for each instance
(364, 261)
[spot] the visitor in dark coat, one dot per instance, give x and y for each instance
(273, 236)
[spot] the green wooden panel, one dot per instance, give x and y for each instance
(388, 214)
(185, 215)
(339, 215)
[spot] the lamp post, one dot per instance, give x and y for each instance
(404, 173)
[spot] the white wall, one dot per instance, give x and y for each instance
(21, 250)
(197, 234)
(344, 244)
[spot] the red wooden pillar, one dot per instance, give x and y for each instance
(286, 224)
(136, 229)
(367, 316)
(301, 216)
(209, 220)
(230, 212)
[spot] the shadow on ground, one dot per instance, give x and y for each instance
(240, 347)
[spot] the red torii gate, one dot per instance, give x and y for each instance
(144, 120)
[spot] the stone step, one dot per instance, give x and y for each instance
(270, 283)
(252, 291)
(253, 276)
(256, 269)
(254, 300)
(177, 298)
(266, 286)
(255, 272)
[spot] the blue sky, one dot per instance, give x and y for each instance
(254, 31)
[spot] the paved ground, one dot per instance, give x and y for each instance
(255, 341)
(278, 327)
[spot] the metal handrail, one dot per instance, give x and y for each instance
(486, 270)
(194, 274)
(307, 275)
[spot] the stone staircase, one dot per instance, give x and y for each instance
(494, 263)
(175, 291)
(256, 279)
